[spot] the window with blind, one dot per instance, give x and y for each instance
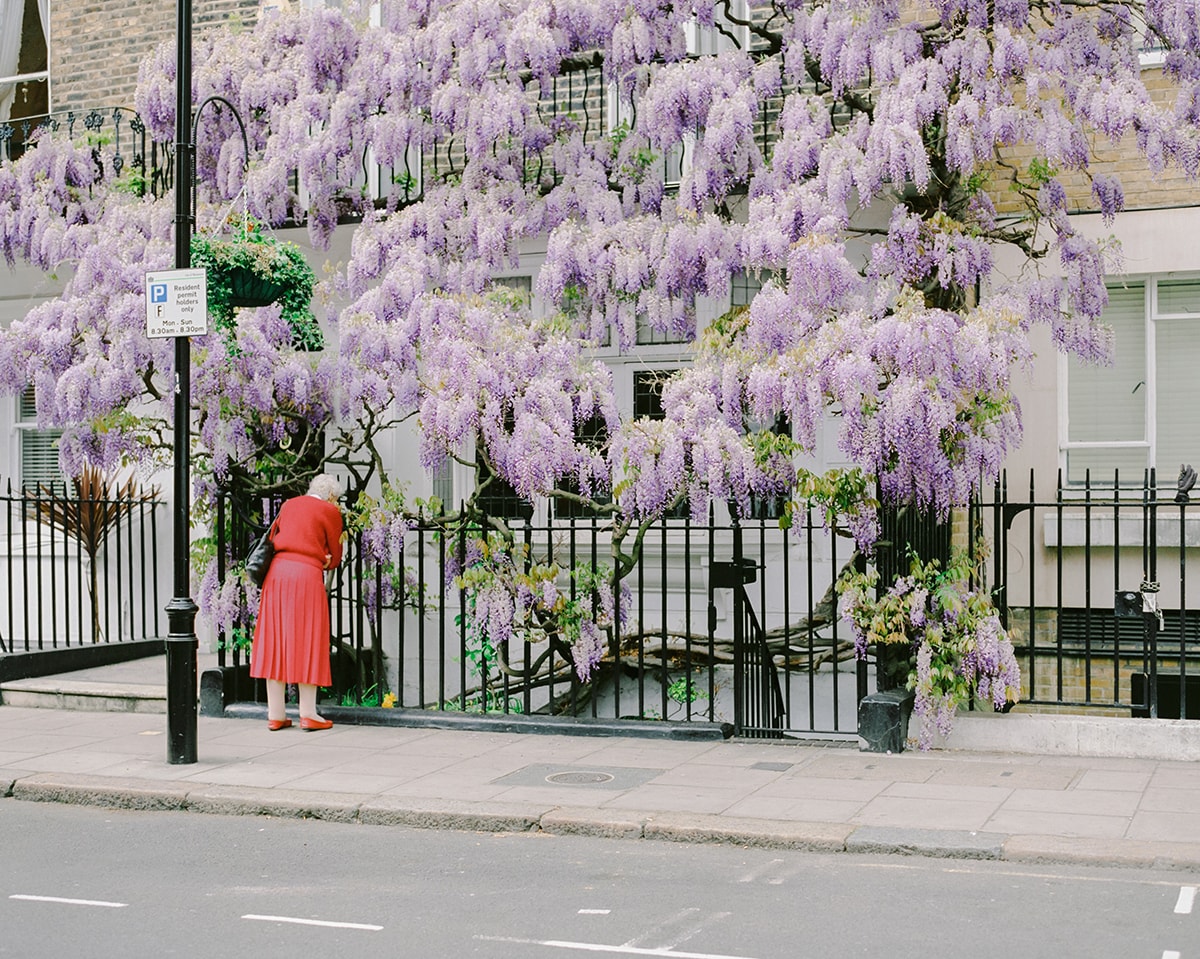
(522, 286)
(39, 448)
(1140, 412)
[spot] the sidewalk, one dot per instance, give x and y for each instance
(963, 803)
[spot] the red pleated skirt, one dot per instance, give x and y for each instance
(291, 637)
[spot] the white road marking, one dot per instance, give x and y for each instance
(73, 902)
(621, 950)
(594, 912)
(655, 931)
(1187, 898)
(316, 922)
(786, 875)
(756, 873)
(685, 934)
(1170, 954)
(996, 870)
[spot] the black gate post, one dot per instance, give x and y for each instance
(757, 704)
(1150, 610)
(739, 634)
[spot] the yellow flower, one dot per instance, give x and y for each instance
(389, 701)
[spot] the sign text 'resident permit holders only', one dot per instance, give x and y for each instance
(176, 303)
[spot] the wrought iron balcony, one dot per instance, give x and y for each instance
(120, 145)
(579, 100)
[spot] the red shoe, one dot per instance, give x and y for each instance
(309, 724)
(274, 725)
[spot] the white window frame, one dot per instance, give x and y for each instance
(1149, 57)
(1150, 440)
(38, 76)
(709, 41)
(24, 427)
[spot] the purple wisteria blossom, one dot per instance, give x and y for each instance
(843, 155)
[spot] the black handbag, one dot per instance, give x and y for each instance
(261, 554)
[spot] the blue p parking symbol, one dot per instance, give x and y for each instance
(158, 293)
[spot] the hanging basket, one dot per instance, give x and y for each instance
(249, 289)
(254, 270)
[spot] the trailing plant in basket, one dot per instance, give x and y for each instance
(957, 648)
(250, 268)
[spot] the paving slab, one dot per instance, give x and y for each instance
(947, 813)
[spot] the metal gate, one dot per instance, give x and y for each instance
(1093, 583)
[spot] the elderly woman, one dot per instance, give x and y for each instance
(291, 637)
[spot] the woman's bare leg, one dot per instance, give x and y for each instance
(308, 701)
(275, 699)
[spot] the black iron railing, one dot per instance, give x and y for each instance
(120, 144)
(1094, 585)
(77, 570)
(768, 657)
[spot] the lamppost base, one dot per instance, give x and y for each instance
(182, 648)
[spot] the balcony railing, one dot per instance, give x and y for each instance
(120, 145)
(580, 99)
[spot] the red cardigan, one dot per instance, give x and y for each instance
(309, 527)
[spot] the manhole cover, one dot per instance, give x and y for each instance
(566, 774)
(579, 779)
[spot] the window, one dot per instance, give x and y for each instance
(647, 401)
(647, 335)
(497, 497)
(592, 433)
(647, 393)
(39, 448)
(743, 288)
(1141, 411)
(1151, 52)
(522, 286)
(705, 41)
(762, 506)
(443, 484)
(702, 41)
(24, 75)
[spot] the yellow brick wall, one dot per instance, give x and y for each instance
(96, 46)
(1142, 191)
(1081, 684)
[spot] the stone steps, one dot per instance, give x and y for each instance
(55, 692)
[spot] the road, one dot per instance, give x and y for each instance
(93, 883)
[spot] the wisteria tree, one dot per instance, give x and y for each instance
(848, 154)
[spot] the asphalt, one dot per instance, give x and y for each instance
(1037, 799)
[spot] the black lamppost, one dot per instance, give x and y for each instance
(181, 642)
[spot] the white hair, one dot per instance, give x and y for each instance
(327, 487)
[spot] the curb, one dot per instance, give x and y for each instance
(464, 815)
(507, 723)
(935, 843)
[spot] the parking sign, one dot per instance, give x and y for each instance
(176, 303)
